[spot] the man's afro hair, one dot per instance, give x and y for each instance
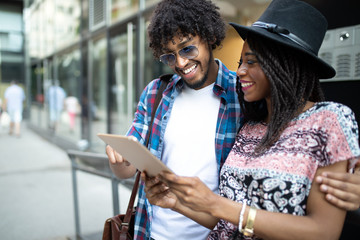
(184, 18)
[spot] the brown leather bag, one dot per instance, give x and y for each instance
(121, 226)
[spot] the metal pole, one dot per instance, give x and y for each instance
(75, 193)
(115, 194)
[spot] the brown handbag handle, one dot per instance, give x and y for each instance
(164, 80)
(126, 223)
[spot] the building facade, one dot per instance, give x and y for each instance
(11, 45)
(95, 51)
(87, 62)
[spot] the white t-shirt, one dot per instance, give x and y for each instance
(71, 104)
(189, 150)
(14, 96)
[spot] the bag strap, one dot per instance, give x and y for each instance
(164, 80)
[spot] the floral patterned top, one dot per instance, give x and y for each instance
(280, 180)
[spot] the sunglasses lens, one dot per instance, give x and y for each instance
(189, 52)
(168, 59)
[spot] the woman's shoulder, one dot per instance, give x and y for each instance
(329, 114)
(338, 121)
(333, 107)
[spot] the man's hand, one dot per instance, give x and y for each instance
(342, 189)
(157, 192)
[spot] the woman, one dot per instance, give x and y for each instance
(290, 136)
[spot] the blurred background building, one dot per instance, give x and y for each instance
(84, 63)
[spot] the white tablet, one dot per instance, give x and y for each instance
(134, 152)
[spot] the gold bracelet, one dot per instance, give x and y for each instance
(249, 228)
(241, 218)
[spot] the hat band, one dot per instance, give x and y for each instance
(273, 28)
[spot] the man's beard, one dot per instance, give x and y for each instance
(200, 83)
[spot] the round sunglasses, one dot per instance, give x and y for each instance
(188, 52)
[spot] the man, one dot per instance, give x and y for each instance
(13, 104)
(56, 97)
(198, 117)
(342, 190)
(196, 122)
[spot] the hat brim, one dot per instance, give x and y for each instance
(325, 70)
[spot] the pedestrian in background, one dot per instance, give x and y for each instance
(13, 104)
(72, 107)
(56, 97)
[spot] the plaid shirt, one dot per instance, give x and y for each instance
(227, 125)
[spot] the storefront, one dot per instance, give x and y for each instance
(96, 52)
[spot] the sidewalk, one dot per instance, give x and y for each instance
(36, 196)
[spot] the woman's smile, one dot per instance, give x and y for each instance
(246, 85)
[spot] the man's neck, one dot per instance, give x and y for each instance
(212, 74)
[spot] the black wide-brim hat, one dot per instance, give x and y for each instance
(294, 24)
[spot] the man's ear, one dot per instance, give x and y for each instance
(212, 42)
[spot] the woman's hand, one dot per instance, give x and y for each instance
(191, 192)
(342, 189)
(157, 192)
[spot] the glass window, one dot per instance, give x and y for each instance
(48, 31)
(122, 81)
(11, 67)
(47, 80)
(34, 97)
(149, 3)
(38, 115)
(68, 76)
(85, 126)
(52, 25)
(154, 68)
(85, 16)
(33, 32)
(11, 28)
(11, 41)
(97, 110)
(67, 22)
(121, 9)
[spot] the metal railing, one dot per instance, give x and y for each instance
(95, 164)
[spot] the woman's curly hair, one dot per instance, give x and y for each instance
(293, 80)
(183, 18)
